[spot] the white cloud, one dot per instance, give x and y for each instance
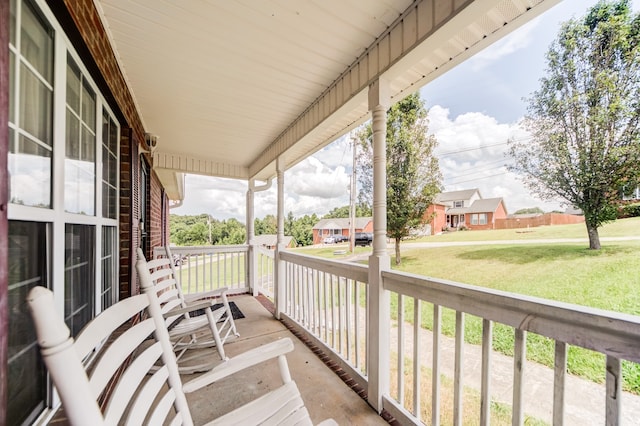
(472, 151)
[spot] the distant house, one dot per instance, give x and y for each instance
(271, 240)
(467, 208)
(339, 226)
(482, 214)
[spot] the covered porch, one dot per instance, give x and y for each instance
(246, 91)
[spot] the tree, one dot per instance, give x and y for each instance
(413, 173)
(530, 210)
(584, 118)
(362, 210)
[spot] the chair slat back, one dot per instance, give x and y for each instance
(114, 369)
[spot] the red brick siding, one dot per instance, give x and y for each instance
(155, 211)
(126, 197)
(439, 221)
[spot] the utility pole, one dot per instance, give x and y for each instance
(352, 204)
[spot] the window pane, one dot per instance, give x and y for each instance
(73, 86)
(35, 106)
(109, 266)
(30, 170)
(79, 187)
(73, 136)
(36, 42)
(27, 268)
(88, 149)
(89, 107)
(79, 280)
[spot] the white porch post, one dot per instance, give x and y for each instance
(379, 313)
(252, 257)
(279, 290)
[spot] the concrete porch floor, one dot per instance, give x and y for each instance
(325, 395)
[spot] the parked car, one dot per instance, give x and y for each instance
(363, 239)
(329, 240)
(340, 238)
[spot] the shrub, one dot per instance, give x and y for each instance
(629, 210)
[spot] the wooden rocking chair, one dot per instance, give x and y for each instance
(187, 329)
(104, 379)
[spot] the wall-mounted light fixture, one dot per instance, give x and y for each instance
(152, 143)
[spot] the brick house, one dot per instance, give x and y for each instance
(467, 208)
(339, 226)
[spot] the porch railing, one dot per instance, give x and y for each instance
(206, 268)
(264, 279)
(328, 299)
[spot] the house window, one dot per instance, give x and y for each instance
(27, 268)
(479, 219)
(30, 106)
(458, 204)
(63, 226)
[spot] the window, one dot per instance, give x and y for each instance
(80, 153)
(27, 268)
(80, 193)
(479, 219)
(30, 106)
(458, 204)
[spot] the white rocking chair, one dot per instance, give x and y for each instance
(187, 330)
(118, 373)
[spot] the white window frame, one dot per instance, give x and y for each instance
(55, 217)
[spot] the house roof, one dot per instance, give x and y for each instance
(270, 240)
(464, 194)
(230, 87)
(485, 205)
(342, 223)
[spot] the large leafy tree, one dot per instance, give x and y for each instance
(584, 119)
(413, 173)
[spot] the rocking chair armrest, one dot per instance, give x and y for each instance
(190, 298)
(196, 306)
(240, 362)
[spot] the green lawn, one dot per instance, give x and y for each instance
(569, 272)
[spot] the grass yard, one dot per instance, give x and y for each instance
(569, 272)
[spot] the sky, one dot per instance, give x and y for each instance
(473, 110)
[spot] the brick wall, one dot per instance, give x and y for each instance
(155, 211)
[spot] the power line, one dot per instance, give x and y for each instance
(480, 178)
(483, 146)
(480, 170)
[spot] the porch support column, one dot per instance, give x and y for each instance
(379, 261)
(251, 254)
(279, 282)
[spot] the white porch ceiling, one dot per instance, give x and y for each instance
(228, 86)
